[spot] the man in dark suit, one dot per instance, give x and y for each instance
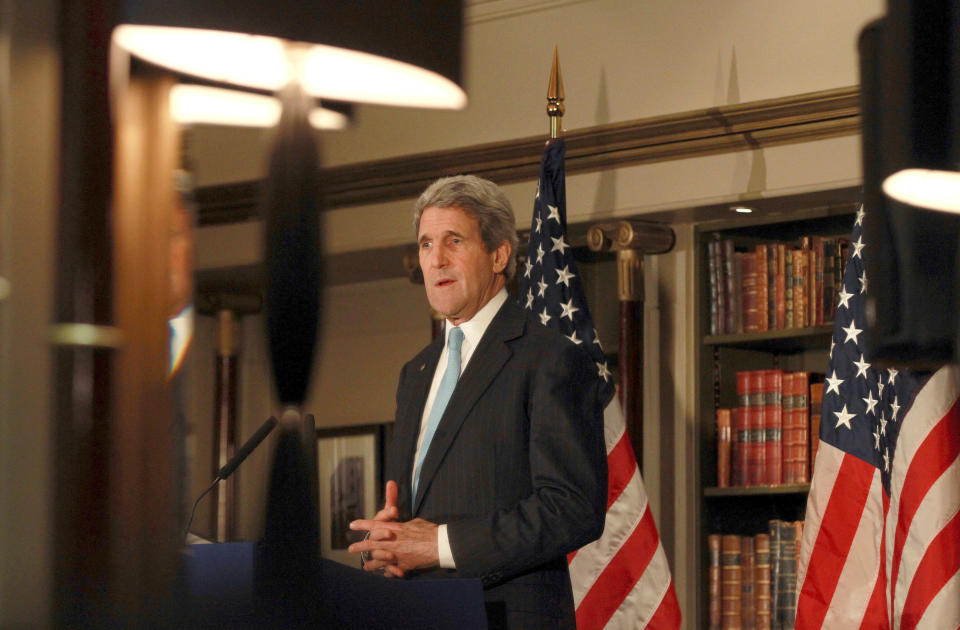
(510, 475)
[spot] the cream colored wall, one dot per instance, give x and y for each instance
(28, 167)
(369, 330)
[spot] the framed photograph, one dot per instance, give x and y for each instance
(350, 483)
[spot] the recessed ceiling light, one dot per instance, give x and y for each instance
(741, 209)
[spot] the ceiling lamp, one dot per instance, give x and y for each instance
(388, 53)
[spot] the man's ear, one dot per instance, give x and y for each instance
(501, 255)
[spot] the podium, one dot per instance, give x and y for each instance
(222, 590)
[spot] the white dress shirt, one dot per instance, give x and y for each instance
(472, 332)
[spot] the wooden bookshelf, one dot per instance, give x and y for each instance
(747, 510)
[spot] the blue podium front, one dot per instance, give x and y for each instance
(222, 590)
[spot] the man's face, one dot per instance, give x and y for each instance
(460, 275)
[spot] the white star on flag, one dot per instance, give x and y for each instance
(862, 366)
(833, 383)
(554, 213)
(603, 371)
(568, 309)
(844, 417)
(852, 332)
(564, 276)
(844, 297)
(871, 402)
(559, 244)
(858, 247)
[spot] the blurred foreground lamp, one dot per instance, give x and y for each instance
(294, 52)
(920, 60)
(388, 53)
(910, 103)
(206, 104)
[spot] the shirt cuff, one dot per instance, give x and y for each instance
(443, 548)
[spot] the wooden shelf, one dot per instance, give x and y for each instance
(786, 340)
(741, 491)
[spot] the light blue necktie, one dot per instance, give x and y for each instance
(447, 383)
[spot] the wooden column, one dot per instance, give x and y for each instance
(85, 341)
(144, 533)
(630, 353)
(631, 240)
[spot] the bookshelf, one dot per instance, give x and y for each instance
(746, 510)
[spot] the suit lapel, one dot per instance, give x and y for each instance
(410, 412)
(486, 362)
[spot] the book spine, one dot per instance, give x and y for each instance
(816, 285)
(789, 422)
(760, 262)
(773, 425)
(816, 402)
(741, 419)
(712, 279)
(772, 286)
(761, 586)
(740, 446)
(757, 454)
(713, 581)
(730, 588)
(749, 291)
(775, 549)
(729, 264)
(747, 601)
(801, 409)
(829, 279)
(787, 577)
(724, 445)
(788, 289)
(799, 308)
(781, 286)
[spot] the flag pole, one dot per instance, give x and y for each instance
(555, 106)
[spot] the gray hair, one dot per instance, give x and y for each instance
(483, 200)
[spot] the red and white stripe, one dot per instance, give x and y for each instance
(622, 580)
(873, 561)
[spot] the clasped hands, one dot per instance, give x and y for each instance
(392, 548)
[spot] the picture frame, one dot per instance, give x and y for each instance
(350, 466)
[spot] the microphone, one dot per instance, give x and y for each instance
(247, 448)
(235, 461)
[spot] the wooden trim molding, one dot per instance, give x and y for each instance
(715, 130)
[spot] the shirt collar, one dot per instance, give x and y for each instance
(477, 325)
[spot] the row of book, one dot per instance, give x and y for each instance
(773, 286)
(771, 437)
(752, 580)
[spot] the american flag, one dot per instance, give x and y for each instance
(881, 542)
(623, 579)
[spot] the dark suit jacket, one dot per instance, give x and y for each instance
(517, 467)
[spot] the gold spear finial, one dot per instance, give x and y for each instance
(555, 106)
